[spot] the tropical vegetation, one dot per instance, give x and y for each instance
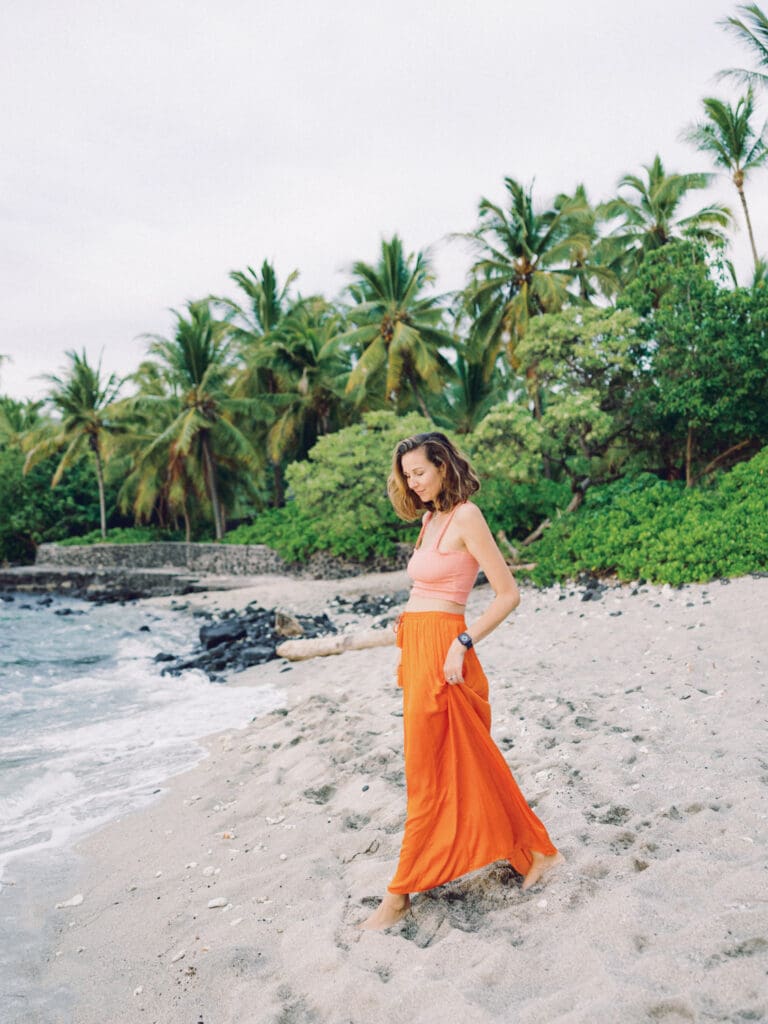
(602, 366)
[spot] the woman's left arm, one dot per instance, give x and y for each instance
(479, 541)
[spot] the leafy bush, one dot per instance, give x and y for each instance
(662, 531)
(506, 451)
(518, 508)
(288, 530)
(31, 511)
(338, 500)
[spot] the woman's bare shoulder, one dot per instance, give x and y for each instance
(469, 514)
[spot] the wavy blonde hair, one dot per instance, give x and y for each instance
(460, 479)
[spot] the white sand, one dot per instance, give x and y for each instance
(640, 739)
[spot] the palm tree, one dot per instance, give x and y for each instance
(752, 30)
(200, 437)
(17, 418)
(590, 277)
(527, 262)
(729, 138)
(311, 368)
(398, 331)
(470, 395)
(84, 399)
(252, 325)
(253, 321)
(650, 215)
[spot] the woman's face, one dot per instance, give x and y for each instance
(422, 476)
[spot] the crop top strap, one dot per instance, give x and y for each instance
(426, 519)
(445, 527)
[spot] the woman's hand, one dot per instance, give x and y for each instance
(453, 668)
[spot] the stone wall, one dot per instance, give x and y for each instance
(215, 559)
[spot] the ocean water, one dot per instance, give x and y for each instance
(89, 728)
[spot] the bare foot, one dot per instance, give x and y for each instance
(392, 909)
(540, 866)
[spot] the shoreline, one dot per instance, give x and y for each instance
(605, 710)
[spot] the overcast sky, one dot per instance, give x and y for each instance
(149, 148)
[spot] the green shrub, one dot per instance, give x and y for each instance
(338, 495)
(662, 531)
(288, 530)
(518, 508)
(32, 512)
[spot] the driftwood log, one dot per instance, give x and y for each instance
(322, 646)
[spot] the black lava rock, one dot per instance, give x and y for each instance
(221, 632)
(256, 655)
(366, 604)
(238, 640)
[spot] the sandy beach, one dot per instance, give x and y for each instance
(635, 725)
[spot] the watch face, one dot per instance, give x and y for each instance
(465, 639)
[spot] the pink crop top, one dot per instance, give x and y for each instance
(447, 575)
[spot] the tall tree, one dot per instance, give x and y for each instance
(200, 435)
(398, 330)
(253, 323)
(481, 375)
(727, 135)
(527, 260)
(650, 215)
(752, 30)
(310, 367)
(264, 305)
(83, 399)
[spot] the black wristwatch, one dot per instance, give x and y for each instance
(465, 640)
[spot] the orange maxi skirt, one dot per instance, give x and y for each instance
(465, 809)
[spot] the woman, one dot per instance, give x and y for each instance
(465, 809)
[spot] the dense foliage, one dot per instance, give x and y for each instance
(339, 496)
(601, 366)
(32, 512)
(662, 531)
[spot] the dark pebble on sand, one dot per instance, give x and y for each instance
(164, 656)
(144, 629)
(366, 788)
(614, 614)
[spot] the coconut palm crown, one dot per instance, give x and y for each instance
(83, 399)
(199, 431)
(752, 30)
(650, 215)
(397, 331)
(729, 138)
(527, 260)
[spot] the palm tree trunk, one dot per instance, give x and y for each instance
(100, 480)
(743, 199)
(187, 523)
(277, 470)
(420, 401)
(213, 494)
